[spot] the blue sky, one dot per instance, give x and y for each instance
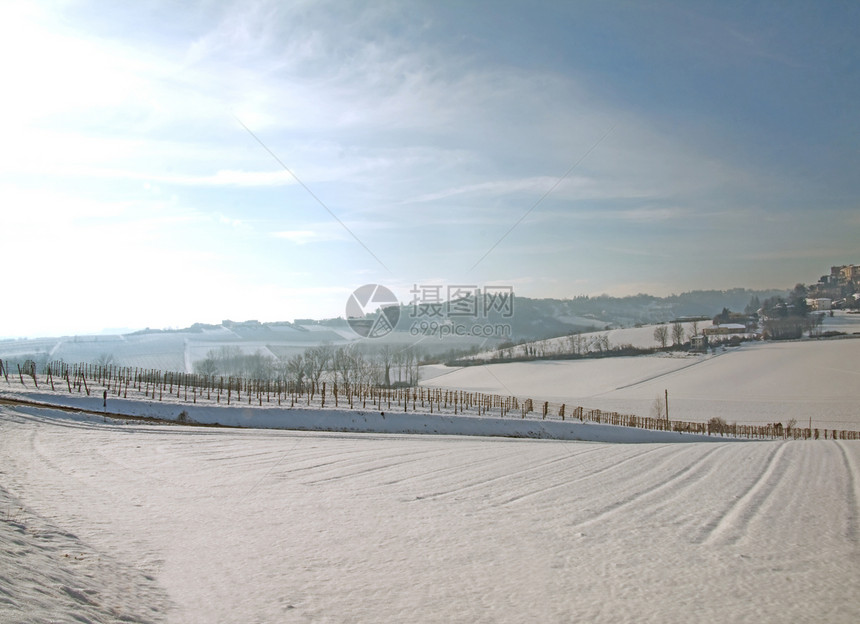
(560, 148)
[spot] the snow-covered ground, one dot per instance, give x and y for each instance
(757, 383)
(107, 522)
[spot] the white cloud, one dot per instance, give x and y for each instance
(304, 237)
(233, 178)
(427, 145)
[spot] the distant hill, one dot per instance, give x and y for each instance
(534, 319)
(528, 319)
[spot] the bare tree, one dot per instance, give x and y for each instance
(600, 343)
(318, 359)
(345, 366)
(814, 322)
(397, 362)
(259, 365)
(104, 360)
(229, 359)
(694, 328)
(296, 369)
(366, 369)
(661, 335)
(207, 366)
(604, 342)
(677, 334)
(658, 408)
(385, 357)
(411, 365)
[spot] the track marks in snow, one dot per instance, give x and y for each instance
(731, 525)
(503, 471)
(696, 362)
(48, 574)
(684, 477)
(397, 461)
(495, 544)
(853, 496)
(586, 474)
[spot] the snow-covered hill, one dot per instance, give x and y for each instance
(757, 383)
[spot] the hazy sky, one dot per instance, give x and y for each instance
(561, 148)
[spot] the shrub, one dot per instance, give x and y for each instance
(717, 425)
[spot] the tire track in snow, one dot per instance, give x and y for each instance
(663, 374)
(483, 482)
(853, 495)
(635, 497)
(448, 469)
(291, 469)
(737, 517)
(571, 463)
(392, 461)
(555, 486)
(434, 473)
(320, 460)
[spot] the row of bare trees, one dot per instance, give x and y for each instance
(677, 332)
(354, 364)
(591, 343)
(574, 344)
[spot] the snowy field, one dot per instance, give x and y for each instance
(757, 383)
(107, 522)
(124, 521)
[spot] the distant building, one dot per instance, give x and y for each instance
(846, 274)
(699, 343)
(819, 304)
(726, 329)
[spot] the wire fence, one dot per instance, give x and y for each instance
(156, 385)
